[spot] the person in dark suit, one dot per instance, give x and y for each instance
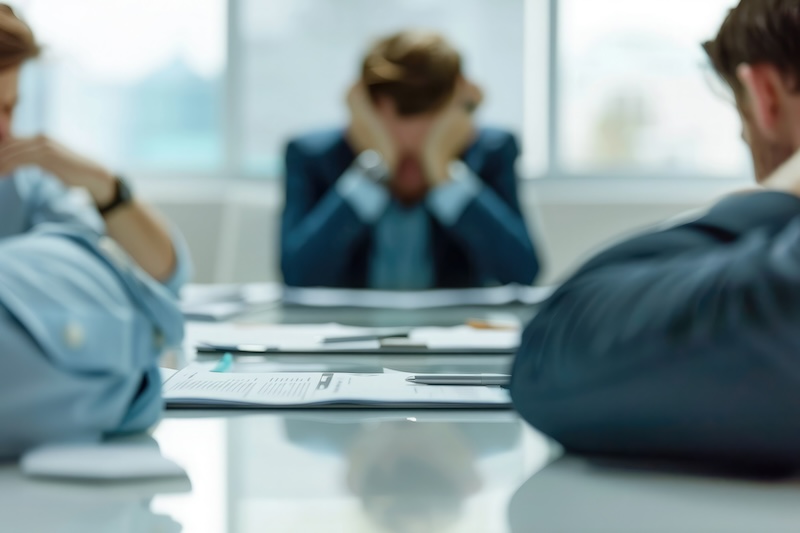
(411, 195)
(685, 342)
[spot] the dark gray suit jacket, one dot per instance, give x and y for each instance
(324, 243)
(681, 343)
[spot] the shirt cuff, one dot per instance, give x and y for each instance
(183, 264)
(448, 202)
(368, 199)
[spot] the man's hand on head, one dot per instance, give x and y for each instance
(72, 169)
(367, 131)
(452, 132)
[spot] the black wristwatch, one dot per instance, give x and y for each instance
(123, 195)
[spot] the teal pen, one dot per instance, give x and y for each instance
(224, 364)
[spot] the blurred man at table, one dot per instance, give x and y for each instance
(684, 342)
(411, 195)
(88, 286)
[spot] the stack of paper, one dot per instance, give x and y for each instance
(221, 302)
(503, 295)
(194, 387)
(262, 338)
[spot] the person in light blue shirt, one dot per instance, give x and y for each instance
(88, 287)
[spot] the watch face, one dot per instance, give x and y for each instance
(125, 193)
(370, 159)
(371, 164)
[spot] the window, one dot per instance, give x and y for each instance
(299, 57)
(137, 84)
(633, 93)
(216, 87)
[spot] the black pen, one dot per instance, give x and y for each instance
(362, 338)
(205, 347)
(498, 380)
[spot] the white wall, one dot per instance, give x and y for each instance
(232, 229)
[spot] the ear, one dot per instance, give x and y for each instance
(763, 100)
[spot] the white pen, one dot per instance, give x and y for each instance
(460, 379)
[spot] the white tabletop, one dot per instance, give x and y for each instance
(305, 472)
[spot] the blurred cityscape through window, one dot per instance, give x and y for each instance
(635, 90)
(214, 88)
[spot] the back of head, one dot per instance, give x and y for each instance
(417, 70)
(758, 32)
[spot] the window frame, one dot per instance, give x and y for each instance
(541, 146)
(553, 163)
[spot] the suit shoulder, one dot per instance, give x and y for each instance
(318, 143)
(495, 140)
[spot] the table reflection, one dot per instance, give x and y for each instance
(34, 506)
(409, 475)
(574, 494)
(355, 471)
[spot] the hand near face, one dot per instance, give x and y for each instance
(367, 131)
(72, 169)
(451, 133)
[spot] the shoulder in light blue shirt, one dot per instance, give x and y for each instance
(81, 326)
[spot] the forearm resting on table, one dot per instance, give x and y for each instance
(140, 232)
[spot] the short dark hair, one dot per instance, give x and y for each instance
(418, 70)
(758, 32)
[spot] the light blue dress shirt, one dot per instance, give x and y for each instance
(82, 327)
(402, 257)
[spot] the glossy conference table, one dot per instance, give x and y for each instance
(362, 472)
(355, 471)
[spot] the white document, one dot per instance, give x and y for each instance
(278, 337)
(197, 388)
(310, 338)
(467, 338)
(431, 299)
(220, 302)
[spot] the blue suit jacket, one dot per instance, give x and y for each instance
(324, 243)
(681, 343)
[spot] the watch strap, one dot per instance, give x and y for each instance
(123, 195)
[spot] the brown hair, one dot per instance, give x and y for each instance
(758, 32)
(17, 43)
(417, 70)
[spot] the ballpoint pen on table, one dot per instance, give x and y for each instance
(362, 338)
(460, 379)
(207, 347)
(210, 347)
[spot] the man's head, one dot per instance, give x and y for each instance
(757, 52)
(410, 76)
(17, 45)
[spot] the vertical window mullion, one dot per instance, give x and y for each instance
(232, 123)
(554, 82)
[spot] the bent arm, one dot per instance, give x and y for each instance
(489, 223)
(150, 242)
(81, 340)
(318, 237)
(678, 343)
(157, 249)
